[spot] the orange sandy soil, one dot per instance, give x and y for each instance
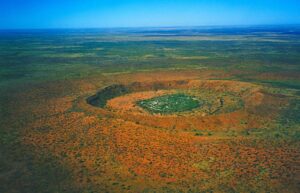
(120, 149)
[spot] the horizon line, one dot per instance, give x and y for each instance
(141, 27)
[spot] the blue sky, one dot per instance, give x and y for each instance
(142, 13)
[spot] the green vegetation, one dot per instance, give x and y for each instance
(215, 102)
(8, 137)
(67, 54)
(168, 104)
(291, 114)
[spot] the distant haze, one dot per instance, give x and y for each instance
(16, 14)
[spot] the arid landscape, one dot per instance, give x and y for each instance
(150, 110)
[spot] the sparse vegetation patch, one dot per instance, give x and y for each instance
(168, 104)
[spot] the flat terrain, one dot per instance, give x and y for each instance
(77, 110)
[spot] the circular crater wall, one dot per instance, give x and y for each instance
(221, 104)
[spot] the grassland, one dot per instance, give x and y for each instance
(52, 140)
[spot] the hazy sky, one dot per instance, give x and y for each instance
(139, 13)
